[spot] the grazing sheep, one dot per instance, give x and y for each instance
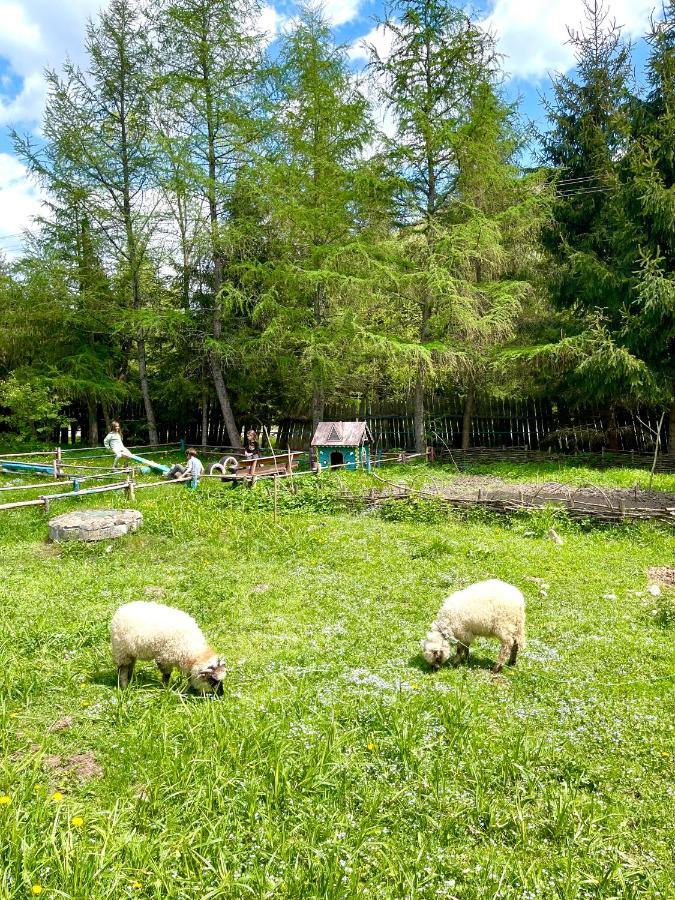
(170, 637)
(487, 609)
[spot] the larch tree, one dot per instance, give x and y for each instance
(499, 214)
(210, 51)
(460, 206)
(316, 186)
(98, 140)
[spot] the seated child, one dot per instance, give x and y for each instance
(190, 472)
(113, 441)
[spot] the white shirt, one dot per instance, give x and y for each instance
(194, 468)
(113, 442)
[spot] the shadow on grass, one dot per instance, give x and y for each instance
(141, 677)
(147, 678)
(475, 662)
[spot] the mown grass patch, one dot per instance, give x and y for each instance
(335, 765)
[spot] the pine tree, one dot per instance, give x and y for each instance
(598, 242)
(649, 324)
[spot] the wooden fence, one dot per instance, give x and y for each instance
(531, 423)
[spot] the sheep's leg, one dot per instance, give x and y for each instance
(124, 673)
(166, 673)
(501, 659)
(514, 654)
(461, 655)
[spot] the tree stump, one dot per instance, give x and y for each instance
(94, 524)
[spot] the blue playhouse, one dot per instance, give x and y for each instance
(344, 444)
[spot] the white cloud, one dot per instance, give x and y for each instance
(339, 12)
(17, 30)
(28, 104)
(269, 23)
(36, 34)
(19, 203)
(378, 37)
(533, 33)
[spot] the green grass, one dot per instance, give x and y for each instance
(577, 474)
(336, 765)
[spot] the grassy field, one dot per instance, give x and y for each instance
(336, 765)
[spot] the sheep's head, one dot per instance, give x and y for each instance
(209, 675)
(435, 648)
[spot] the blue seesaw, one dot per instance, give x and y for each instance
(149, 465)
(11, 466)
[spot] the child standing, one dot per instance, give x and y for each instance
(251, 445)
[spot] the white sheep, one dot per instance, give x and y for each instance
(170, 637)
(487, 609)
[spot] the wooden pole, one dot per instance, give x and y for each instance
(19, 503)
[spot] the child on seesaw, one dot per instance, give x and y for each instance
(189, 472)
(114, 442)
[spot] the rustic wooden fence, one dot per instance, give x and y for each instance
(533, 424)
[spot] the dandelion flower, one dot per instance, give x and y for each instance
(371, 746)
(57, 795)
(13, 715)
(77, 821)
(36, 889)
(136, 885)
(5, 800)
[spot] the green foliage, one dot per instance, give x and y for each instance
(229, 228)
(613, 222)
(35, 408)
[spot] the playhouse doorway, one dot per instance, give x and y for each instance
(336, 458)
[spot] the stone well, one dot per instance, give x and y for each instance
(94, 524)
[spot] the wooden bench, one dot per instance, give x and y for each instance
(249, 470)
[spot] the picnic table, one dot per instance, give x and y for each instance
(249, 470)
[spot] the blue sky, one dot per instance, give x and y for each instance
(39, 33)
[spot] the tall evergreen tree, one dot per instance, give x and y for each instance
(592, 239)
(316, 192)
(96, 126)
(438, 84)
(210, 51)
(649, 324)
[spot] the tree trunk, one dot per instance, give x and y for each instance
(134, 266)
(670, 449)
(145, 391)
(418, 413)
(468, 417)
(205, 419)
(92, 415)
(107, 418)
(611, 428)
(318, 405)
